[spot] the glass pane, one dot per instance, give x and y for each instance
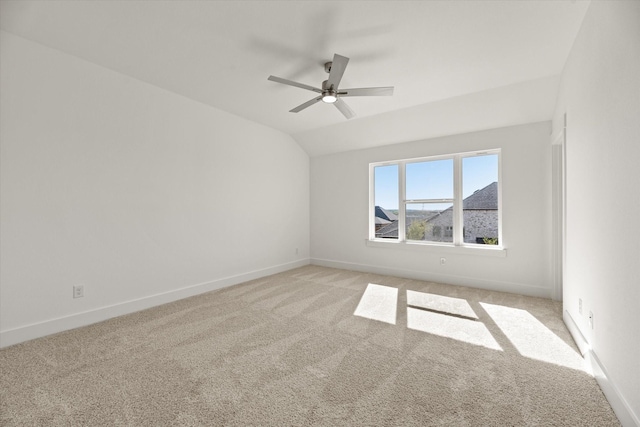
(480, 204)
(432, 222)
(430, 180)
(386, 201)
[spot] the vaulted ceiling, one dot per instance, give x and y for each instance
(457, 66)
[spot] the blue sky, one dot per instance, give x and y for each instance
(434, 179)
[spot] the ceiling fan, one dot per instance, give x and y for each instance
(330, 92)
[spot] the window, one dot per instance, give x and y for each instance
(447, 200)
(449, 231)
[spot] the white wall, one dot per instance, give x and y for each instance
(132, 191)
(600, 93)
(339, 213)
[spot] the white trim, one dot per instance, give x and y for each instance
(458, 202)
(558, 209)
(52, 326)
(483, 250)
(618, 403)
(402, 206)
(578, 338)
(372, 201)
(473, 282)
(500, 211)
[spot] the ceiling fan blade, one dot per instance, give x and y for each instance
(292, 83)
(305, 105)
(367, 91)
(344, 108)
(338, 65)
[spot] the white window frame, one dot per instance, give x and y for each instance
(458, 245)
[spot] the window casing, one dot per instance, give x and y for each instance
(436, 201)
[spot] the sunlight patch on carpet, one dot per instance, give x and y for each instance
(446, 305)
(378, 303)
(533, 339)
(465, 330)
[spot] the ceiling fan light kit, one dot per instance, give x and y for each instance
(330, 92)
(329, 97)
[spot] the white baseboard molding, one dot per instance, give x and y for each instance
(472, 282)
(618, 403)
(76, 320)
(578, 338)
(620, 406)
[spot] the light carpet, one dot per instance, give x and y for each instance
(312, 346)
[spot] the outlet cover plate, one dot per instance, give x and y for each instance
(78, 291)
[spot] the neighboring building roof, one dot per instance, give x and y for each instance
(385, 214)
(486, 198)
(391, 230)
(380, 221)
(388, 231)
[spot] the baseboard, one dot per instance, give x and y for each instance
(578, 338)
(620, 406)
(472, 282)
(41, 329)
(618, 403)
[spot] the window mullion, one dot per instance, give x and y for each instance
(499, 154)
(458, 232)
(402, 207)
(372, 202)
(429, 201)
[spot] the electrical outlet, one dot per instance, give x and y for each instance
(580, 305)
(78, 291)
(296, 251)
(591, 319)
(443, 261)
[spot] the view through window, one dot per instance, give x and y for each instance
(447, 199)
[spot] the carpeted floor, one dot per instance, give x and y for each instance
(312, 346)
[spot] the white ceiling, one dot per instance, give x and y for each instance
(457, 66)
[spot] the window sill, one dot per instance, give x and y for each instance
(481, 250)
